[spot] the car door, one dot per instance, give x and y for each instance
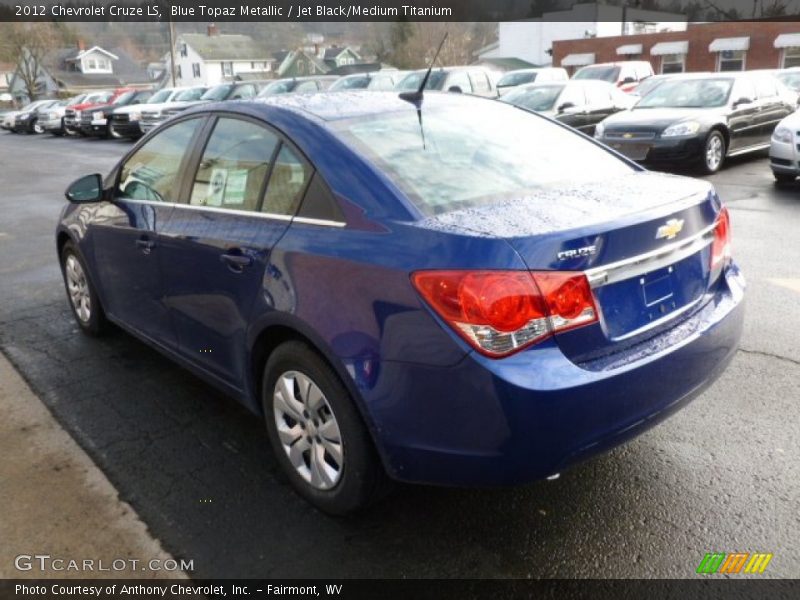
(599, 105)
(571, 106)
(127, 241)
(772, 108)
(743, 118)
(241, 193)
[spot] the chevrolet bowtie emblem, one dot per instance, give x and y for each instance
(670, 229)
(627, 136)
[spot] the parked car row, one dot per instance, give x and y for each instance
(694, 119)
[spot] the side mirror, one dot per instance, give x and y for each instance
(455, 89)
(742, 100)
(563, 107)
(628, 80)
(86, 189)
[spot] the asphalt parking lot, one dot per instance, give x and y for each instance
(721, 475)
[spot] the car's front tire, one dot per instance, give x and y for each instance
(317, 433)
(713, 152)
(83, 300)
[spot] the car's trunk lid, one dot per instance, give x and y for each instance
(643, 240)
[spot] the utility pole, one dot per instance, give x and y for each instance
(172, 51)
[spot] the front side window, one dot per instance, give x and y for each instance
(478, 155)
(234, 166)
(152, 172)
(731, 60)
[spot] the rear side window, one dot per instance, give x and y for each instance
(152, 172)
(306, 86)
(234, 166)
(287, 183)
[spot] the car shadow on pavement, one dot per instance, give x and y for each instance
(198, 469)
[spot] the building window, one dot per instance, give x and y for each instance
(196, 70)
(301, 67)
(731, 60)
(227, 69)
(791, 57)
(673, 63)
(184, 50)
(178, 72)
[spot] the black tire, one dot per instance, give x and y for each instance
(783, 177)
(362, 479)
(96, 323)
(717, 140)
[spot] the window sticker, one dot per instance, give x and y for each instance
(236, 186)
(216, 187)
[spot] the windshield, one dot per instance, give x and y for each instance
(688, 93)
(790, 80)
(284, 86)
(190, 95)
(160, 96)
(476, 155)
(412, 82)
(219, 92)
(539, 98)
(98, 98)
(607, 73)
(512, 79)
(124, 98)
(351, 83)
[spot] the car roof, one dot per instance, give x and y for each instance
(335, 106)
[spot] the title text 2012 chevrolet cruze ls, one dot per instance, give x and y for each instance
(437, 295)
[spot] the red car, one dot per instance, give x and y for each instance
(72, 116)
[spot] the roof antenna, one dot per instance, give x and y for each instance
(416, 97)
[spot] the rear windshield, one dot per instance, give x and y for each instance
(607, 73)
(516, 79)
(476, 155)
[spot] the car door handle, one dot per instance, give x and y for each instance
(236, 262)
(145, 244)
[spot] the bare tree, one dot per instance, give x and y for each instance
(28, 44)
(413, 44)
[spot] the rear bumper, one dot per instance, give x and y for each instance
(510, 421)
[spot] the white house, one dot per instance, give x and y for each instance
(211, 58)
(532, 40)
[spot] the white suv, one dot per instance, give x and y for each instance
(625, 75)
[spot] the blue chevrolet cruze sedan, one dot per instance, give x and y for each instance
(454, 292)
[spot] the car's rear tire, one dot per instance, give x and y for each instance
(317, 433)
(81, 294)
(783, 177)
(713, 152)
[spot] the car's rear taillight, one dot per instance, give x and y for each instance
(501, 312)
(721, 246)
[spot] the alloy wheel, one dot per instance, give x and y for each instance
(308, 430)
(714, 151)
(78, 288)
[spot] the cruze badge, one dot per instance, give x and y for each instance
(670, 229)
(577, 252)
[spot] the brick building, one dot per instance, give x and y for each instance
(727, 46)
